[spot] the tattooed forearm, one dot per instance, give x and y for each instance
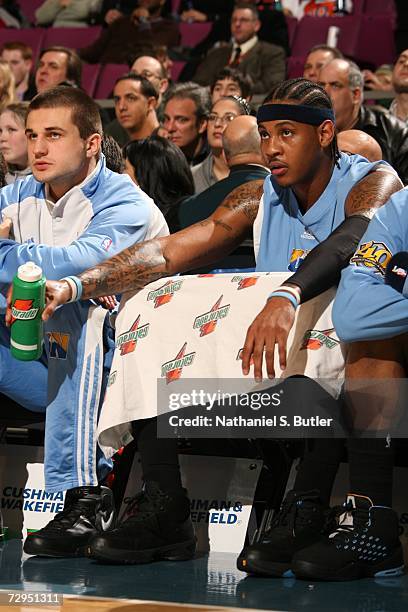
(129, 270)
(225, 226)
(372, 192)
(245, 198)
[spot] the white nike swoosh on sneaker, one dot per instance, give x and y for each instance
(106, 524)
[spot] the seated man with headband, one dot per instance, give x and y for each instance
(316, 203)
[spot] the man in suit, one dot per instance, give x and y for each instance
(262, 61)
(242, 149)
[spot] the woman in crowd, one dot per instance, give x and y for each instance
(13, 141)
(7, 86)
(162, 171)
(214, 167)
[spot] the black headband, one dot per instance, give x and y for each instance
(295, 112)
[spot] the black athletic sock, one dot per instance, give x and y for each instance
(371, 463)
(319, 465)
(158, 456)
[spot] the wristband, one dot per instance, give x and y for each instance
(283, 294)
(295, 291)
(76, 288)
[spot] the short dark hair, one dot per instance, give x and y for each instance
(304, 92)
(147, 89)
(113, 154)
(26, 51)
(85, 112)
(162, 171)
(191, 91)
(336, 53)
(243, 81)
(74, 62)
(249, 6)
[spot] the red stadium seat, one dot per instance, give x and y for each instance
(379, 6)
(312, 31)
(28, 8)
(291, 22)
(176, 69)
(33, 37)
(294, 67)
(376, 40)
(191, 34)
(107, 77)
(74, 38)
(90, 73)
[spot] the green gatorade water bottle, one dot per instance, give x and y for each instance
(27, 305)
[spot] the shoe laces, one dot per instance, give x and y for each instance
(68, 516)
(292, 513)
(141, 506)
(355, 518)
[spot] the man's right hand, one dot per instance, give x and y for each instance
(57, 293)
(112, 16)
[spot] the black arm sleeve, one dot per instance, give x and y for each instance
(322, 267)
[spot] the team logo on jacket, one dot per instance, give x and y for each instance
(314, 339)
(58, 345)
(22, 310)
(372, 255)
(207, 322)
(126, 342)
(172, 369)
(244, 281)
(106, 243)
(164, 294)
(298, 255)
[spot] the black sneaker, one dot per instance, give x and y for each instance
(366, 543)
(160, 528)
(87, 510)
(299, 523)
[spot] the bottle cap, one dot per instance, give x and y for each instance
(29, 272)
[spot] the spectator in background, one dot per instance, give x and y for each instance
(151, 69)
(133, 35)
(231, 82)
(262, 61)
(135, 106)
(65, 13)
(319, 56)
(57, 65)
(343, 81)
(314, 8)
(186, 107)
(242, 146)
(161, 170)
(19, 57)
(215, 168)
(7, 86)
(162, 54)
(13, 141)
(399, 83)
(10, 15)
(112, 10)
(355, 142)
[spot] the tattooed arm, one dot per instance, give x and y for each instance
(199, 245)
(320, 270)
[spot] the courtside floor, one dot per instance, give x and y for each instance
(208, 582)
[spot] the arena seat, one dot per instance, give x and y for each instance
(33, 37)
(74, 38)
(176, 69)
(191, 34)
(292, 23)
(294, 66)
(379, 6)
(107, 77)
(28, 8)
(90, 73)
(312, 31)
(376, 44)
